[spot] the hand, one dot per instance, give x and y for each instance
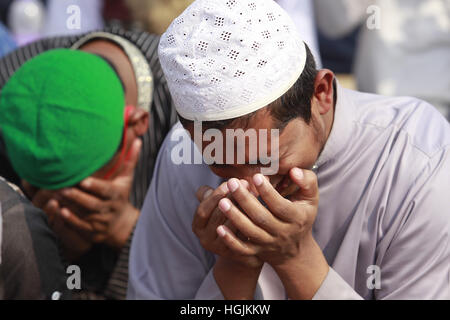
(280, 234)
(235, 274)
(74, 244)
(276, 233)
(208, 218)
(111, 218)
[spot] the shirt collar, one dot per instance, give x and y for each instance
(343, 125)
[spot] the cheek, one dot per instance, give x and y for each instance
(299, 146)
(303, 157)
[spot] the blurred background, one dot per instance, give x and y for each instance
(389, 47)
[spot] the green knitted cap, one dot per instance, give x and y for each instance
(61, 117)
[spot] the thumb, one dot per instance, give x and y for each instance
(306, 180)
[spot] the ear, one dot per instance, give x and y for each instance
(324, 91)
(138, 121)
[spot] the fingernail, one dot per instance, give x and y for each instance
(224, 205)
(221, 231)
(52, 203)
(244, 183)
(224, 188)
(298, 173)
(258, 179)
(65, 192)
(233, 184)
(207, 194)
(65, 213)
(86, 183)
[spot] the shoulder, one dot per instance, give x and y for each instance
(10, 195)
(423, 127)
(170, 203)
(30, 256)
(176, 179)
(181, 163)
(413, 161)
(409, 143)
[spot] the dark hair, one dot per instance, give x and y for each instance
(296, 102)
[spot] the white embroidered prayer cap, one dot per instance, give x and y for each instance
(227, 58)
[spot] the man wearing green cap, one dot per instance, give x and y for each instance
(286, 185)
(78, 137)
(49, 111)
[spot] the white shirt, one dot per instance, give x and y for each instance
(384, 181)
(404, 45)
(302, 13)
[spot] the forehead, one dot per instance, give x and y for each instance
(261, 119)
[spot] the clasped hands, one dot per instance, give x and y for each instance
(232, 223)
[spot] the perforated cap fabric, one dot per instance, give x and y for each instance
(227, 58)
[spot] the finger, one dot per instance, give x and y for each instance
(276, 203)
(103, 218)
(233, 243)
(207, 206)
(131, 159)
(74, 221)
(244, 183)
(243, 223)
(230, 226)
(247, 186)
(257, 213)
(203, 192)
(52, 210)
(41, 198)
(98, 226)
(208, 234)
(98, 187)
(83, 199)
(217, 218)
(307, 181)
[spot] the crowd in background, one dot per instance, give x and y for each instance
(387, 47)
(399, 47)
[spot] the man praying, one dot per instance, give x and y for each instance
(358, 208)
